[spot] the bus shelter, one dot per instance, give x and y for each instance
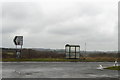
(72, 51)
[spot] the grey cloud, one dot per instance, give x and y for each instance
(9, 30)
(20, 15)
(51, 25)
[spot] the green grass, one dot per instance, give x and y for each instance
(113, 68)
(42, 60)
(58, 60)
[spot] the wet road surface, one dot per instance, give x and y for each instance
(57, 70)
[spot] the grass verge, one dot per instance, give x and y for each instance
(42, 60)
(113, 68)
(88, 59)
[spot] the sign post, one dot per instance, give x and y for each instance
(18, 40)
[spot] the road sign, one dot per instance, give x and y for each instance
(18, 40)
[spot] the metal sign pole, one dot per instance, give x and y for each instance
(18, 40)
(16, 51)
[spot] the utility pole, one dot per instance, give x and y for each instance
(85, 47)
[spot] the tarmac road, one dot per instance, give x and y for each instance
(57, 70)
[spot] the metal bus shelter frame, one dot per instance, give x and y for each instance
(69, 53)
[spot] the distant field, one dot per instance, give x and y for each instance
(9, 54)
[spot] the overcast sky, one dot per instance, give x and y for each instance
(54, 23)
